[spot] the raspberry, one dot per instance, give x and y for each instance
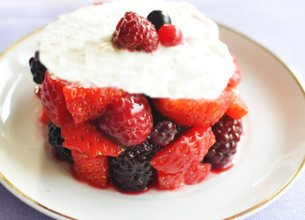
(131, 170)
(127, 120)
(227, 132)
(163, 133)
(170, 35)
(135, 33)
(37, 68)
(56, 140)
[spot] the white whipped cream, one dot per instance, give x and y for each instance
(77, 47)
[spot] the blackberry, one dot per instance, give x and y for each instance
(163, 133)
(227, 132)
(131, 170)
(159, 18)
(56, 140)
(181, 129)
(37, 68)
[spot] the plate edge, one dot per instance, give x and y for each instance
(299, 170)
(292, 71)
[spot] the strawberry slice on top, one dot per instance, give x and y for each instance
(89, 103)
(53, 100)
(87, 139)
(195, 112)
(184, 151)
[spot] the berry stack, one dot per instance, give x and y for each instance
(109, 134)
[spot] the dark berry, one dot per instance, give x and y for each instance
(131, 170)
(181, 129)
(56, 140)
(227, 132)
(157, 116)
(159, 18)
(163, 133)
(37, 68)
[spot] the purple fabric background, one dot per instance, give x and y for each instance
(277, 24)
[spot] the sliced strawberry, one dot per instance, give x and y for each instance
(53, 100)
(184, 151)
(236, 78)
(98, 3)
(37, 91)
(43, 117)
(87, 139)
(196, 173)
(237, 109)
(170, 181)
(92, 169)
(199, 113)
(88, 103)
(128, 120)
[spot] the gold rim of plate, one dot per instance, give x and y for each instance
(257, 206)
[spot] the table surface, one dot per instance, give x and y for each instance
(279, 25)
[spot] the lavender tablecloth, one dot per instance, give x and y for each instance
(277, 24)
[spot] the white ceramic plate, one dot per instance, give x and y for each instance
(269, 158)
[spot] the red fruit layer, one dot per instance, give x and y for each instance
(237, 109)
(135, 33)
(53, 100)
(92, 169)
(98, 3)
(236, 78)
(37, 91)
(43, 117)
(87, 139)
(128, 120)
(170, 181)
(191, 112)
(185, 151)
(88, 103)
(197, 173)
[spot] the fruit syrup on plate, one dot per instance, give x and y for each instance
(164, 143)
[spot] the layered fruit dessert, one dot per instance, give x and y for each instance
(136, 92)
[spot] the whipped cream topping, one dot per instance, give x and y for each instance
(77, 47)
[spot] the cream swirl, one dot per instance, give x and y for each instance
(77, 47)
